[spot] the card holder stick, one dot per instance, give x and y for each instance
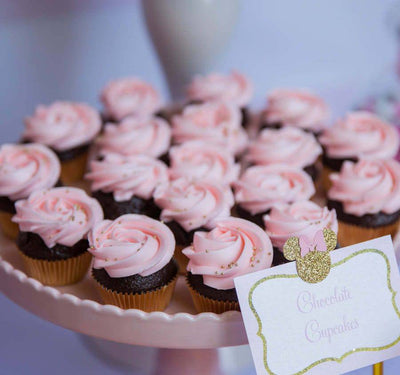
(378, 368)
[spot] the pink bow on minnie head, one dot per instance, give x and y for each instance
(317, 244)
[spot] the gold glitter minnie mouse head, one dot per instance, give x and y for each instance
(312, 257)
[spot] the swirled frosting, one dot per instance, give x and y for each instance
(199, 160)
(361, 135)
(25, 168)
(62, 125)
(234, 247)
(150, 136)
(131, 245)
(127, 176)
(297, 219)
(193, 204)
(261, 187)
(129, 96)
(297, 108)
(367, 187)
(62, 215)
(287, 145)
(234, 88)
(213, 122)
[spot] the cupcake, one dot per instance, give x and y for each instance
(53, 228)
(261, 187)
(360, 135)
(303, 218)
(129, 96)
(148, 135)
(212, 122)
(297, 108)
(23, 170)
(133, 264)
(366, 197)
(125, 184)
(232, 88)
(187, 206)
(68, 129)
(288, 145)
(199, 160)
(233, 248)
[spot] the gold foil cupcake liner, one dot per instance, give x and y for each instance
(206, 304)
(57, 272)
(10, 229)
(154, 300)
(181, 259)
(74, 169)
(350, 234)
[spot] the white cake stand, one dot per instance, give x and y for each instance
(188, 341)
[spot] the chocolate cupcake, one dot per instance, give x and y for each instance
(232, 88)
(133, 264)
(297, 108)
(187, 206)
(261, 187)
(53, 230)
(233, 248)
(360, 135)
(68, 129)
(24, 169)
(125, 184)
(366, 197)
(294, 220)
(288, 145)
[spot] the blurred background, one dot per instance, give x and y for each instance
(344, 50)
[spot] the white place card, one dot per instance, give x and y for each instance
(347, 321)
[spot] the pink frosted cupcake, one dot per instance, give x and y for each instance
(149, 136)
(297, 108)
(261, 187)
(232, 88)
(125, 184)
(233, 248)
(303, 218)
(288, 145)
(24, 169)
(53, 233)
(212, 122)
(366, 197)
(133, 264)
(129, 96)
(68, 129)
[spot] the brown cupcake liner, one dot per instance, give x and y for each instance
(350, 234)
(181, 259)
(154, 300)
(74, 169)
(57, 272)
(205, 304)
(10, 229)
(326, 181)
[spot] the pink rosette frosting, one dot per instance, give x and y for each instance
(298, 219)
(261, 187)
(297, 108)
(213, 122)
(193, 204)
(234, 247)
(150, 136)
(199, 160)
(129, 96)
(127, 176)
(234, 88)
(367, 187)
(62, 125)
(287, 145)
(131, 245)
(25, 168)
(62, 215)
(361, 135)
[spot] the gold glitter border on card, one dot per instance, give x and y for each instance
(329, 359)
